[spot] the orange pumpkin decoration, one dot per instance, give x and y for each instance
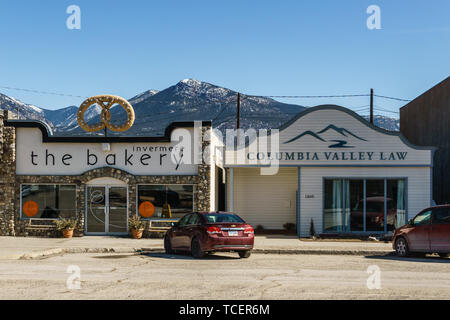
(146, 209)
(30, 208)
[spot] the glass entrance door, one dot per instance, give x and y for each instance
(106, 210)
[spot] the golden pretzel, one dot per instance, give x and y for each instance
(106, 102)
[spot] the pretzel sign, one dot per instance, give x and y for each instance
(106, 102)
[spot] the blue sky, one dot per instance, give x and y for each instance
(255, 47)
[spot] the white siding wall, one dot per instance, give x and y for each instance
(418, 186)
(269, 201)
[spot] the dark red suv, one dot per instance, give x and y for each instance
(428, 232)
(206, 232)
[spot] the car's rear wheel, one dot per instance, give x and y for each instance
(244, 254)
(196, 249)
(168, 245)
(401, 247)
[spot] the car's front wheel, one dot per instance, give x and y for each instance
(168, 245)
(244, 254)
(401, 247)
(196, 249)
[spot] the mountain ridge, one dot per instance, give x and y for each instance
(187, 100)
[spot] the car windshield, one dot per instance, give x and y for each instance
(222, 217)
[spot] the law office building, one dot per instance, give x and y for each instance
(335, 169)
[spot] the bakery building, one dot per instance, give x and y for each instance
(326, 165)
(101, 181)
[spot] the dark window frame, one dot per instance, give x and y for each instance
(22, 216)
(166, 185)
(365, 179)
(188, 217)
(430, 220)
(439, 222)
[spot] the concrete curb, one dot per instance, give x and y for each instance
(59, 251)
(322, 252)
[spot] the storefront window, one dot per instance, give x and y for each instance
(355, 199)
(348, 209)
(334, 219)
(48, 201)
(375, 205)
(396, 204)
(165, 201)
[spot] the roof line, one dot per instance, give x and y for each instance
(357, 117)
(47, 135)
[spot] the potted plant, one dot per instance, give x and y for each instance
(136, 226)
(66, 226)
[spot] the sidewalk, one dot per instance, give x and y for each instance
(35, 248)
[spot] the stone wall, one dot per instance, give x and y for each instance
(204, 175)
(11, 222)
(7, 177)
(80, 182)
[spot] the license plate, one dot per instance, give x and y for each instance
(233, 233)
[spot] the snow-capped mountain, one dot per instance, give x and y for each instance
(189, 99)
(142, 96)
(64, 121)
(27, 111)
(384, 122)
(194, 100)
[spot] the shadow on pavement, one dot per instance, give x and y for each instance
(413, 258)
(115, 256)
(187, 256)
(278, 236)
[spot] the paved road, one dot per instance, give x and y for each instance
(223, 276)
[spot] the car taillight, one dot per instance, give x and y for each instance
(213, 230)
(249, 230)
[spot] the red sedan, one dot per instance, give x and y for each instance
(428, 232)
(205, 232)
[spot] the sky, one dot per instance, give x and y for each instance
(314, 47)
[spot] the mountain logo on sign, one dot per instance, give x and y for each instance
(337, 143)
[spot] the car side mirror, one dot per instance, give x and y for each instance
(411, 222)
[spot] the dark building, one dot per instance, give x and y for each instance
(425, 121)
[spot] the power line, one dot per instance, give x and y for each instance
(384, 109)
(392, 98)
(300, 97)
(256, 96)
(44, 92)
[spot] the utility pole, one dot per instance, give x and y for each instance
(371, 106)
(238, 120)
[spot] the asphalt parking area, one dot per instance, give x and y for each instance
(224, 276)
